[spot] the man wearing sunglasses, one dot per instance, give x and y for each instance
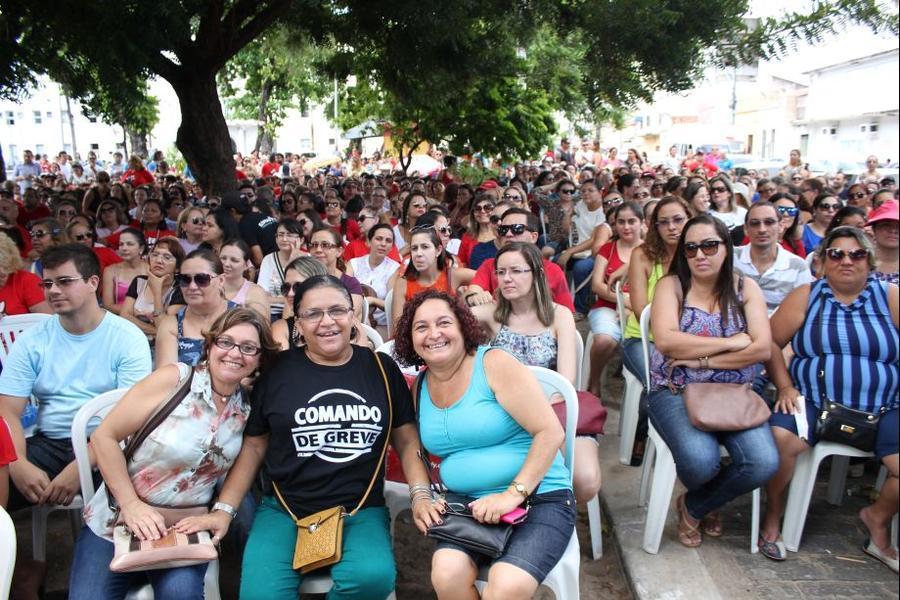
(517, 225)
(64, 361)
(777, 271)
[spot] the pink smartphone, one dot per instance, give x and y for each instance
(515, 516)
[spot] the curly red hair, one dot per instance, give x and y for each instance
(472, 332)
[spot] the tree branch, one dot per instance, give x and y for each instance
(247, 33)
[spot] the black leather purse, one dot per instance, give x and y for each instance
(841, 424)
(459, 526)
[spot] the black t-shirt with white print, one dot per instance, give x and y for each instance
(327, 426)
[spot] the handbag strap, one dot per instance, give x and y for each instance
(387, 441)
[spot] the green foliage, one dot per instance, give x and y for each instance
(136, 111)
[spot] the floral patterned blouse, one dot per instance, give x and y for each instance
(179, 463)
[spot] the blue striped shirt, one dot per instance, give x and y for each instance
(855, 344)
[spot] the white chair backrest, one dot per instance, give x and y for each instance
(552, 382)
(620, 306)
(372, 334)
(580, 375)
(365, 309)
(645, 344)
(11, 327)
(97, 407)
(388, 301)
(7, 552)
(388, 348)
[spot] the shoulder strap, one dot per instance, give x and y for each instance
(178, 394)
(820, 372)
(278, 265)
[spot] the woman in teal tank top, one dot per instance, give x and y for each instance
(485, 415)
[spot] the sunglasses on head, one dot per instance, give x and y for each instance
(787, 210)
(837, 255)
(516, 229)
(202, 280)
(708, 247)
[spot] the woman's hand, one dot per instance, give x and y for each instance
(157, 283)
(427, 513)
(143, 520)
(489, 509)
(216, 522)
(788, 401)
(740, 341)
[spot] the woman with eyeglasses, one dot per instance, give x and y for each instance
(20, 291)
(377, 270)
(824, 208)
(285, 330)
(201, 282)
(709, 326)
(429, 268)
(110, 219)
(478, 228)
(325, 246)
(45, 233)
(219, 226)
(843, 331)
(152, 293)
(697, 197)
(180, 462)
(289, 240)
(723, 205)
(414, 207)
(118, 277)
(325, 387)
(236, 264)
(189, 228)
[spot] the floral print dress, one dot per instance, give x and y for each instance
(179, 463)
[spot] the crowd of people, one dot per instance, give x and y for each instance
(258, 299)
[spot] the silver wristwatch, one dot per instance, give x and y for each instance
(225, 508)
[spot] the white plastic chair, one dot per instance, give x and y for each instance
(563, 579)
(388, 311)
(374, 337)
(7, 552)
(100, 407)
(803, 483)
(12, 326)
(664, 476)
(631, 400)
(388, 348)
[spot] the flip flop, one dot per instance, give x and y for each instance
(775, 550)
(875, 552)
(712, 524)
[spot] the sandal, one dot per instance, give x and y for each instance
(877, 553)
(689, 535)
(712, 524)
(774, 550)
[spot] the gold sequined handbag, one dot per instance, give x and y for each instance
(320, 535)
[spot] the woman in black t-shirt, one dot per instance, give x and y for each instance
(320, 420)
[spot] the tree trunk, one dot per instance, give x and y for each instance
(203, 135)
(72, 128)
(2, 166)
(138, 143)
(263, 138)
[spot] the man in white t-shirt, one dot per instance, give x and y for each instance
(80, 352)
(588, 216)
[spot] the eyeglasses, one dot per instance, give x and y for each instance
(787, 211)
(709, 248)
(337, 313)
(829, 206)
(513, 197)
(322, 245)
(485, 208)
(287, 288)
(514, 271)
(719, 190)
(332, 204)
(754, 223)
(62, 282)
(247, 349)
(837, 255)
(516, 229)
(613, 202)
(202, 280)
(676, 221)
(857, 196)
(287, 235)
(641, 195)
(83, 236)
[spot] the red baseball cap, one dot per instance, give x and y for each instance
(889, 211)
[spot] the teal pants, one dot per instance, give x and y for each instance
(366, 572)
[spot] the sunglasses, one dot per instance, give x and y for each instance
(494, 219)
(567, 191)
(69, 213)
(105, 209)
(857, 196)
(829, 206)
(641, 196)
(787, 211)
(322, 245)
(837, 255)
(719, 190)
(362, 218)
(513, 197)
(287, 288)
(38, 235)
(709, 248)
(83, 236)
(226, 344)
(202, 280)
(198, 221)
(613, 202)
(517, 229)
(485, 208)
(445, 230)
(754, 223)
(62, 282)
(332, 204)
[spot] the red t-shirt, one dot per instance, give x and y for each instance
(7, 450)
(137, 177)
(351, 230)
(486, 279)
(610, 252)
(106, 257)
(21, 292)
(360, 247)
(466, 243)
(269, 168)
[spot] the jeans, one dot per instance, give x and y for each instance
(582, 268)
(91, 579)
(50, 455)
(754, 456)
(633, 360)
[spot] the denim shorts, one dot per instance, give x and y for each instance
(887, 440)
(605, 320)
(537, 544)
